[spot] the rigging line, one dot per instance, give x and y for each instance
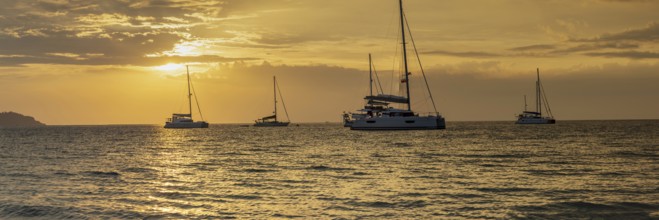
(194, 93)
(393, 20)
(420, 66)
(378, 80)
(544, 99)
(282, 101)
(182, 102)
(395, 81)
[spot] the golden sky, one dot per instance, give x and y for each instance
(121, 61)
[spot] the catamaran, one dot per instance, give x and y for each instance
(271, 121)
(535, 117)
(378, 115)
(179, 120)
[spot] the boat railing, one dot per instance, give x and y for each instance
(430, 114)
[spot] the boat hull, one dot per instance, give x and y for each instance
(399, 123)
(271, 124)
(529, 121)
(198, 124)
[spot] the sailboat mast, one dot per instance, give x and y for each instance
(407, 80)
(537, 93)
(370, 75)
(274, 86)
(525, 105)
(187, 69)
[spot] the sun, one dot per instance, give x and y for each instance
(170, 67)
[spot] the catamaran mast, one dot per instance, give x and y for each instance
(407, 81)
(537, 93)
(370, 75)
(189, 93)
(274, 87)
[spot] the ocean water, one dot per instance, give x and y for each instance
(472, 170)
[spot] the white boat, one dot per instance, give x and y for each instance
(378, 115)
(271, 121)
(535, 117)
(179, 120)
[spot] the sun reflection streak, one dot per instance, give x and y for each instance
(184, 167)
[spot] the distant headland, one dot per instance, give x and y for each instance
(15, 120)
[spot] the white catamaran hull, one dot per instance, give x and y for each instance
(272, 124)
(198, 124)
(535, 121)
(399, 123)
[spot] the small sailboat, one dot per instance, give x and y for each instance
(271, 121)
(179, 120)
(535, 117)
(378, 115)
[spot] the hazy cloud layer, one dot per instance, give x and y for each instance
(101, 32)
(627, 54)
(297, 31)
(647, 34)
(462, 54)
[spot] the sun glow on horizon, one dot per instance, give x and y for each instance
(170, 67)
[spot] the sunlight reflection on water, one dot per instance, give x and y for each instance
(472, 170)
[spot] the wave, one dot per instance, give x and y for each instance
(504, 156)
(29, 175)
(23, 211)
(562, 172)
(254, 170)
(636, 154)
(64, 173)
(243, 197)
(286, 216)
(381, 204)
(326, 168)
(586, 210)
(139, 170)
(505, 190)
(110, 174)
(400, 144)
(14, 211)
(177, 195)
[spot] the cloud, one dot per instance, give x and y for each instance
(92, 59)
(596, 46)
(650, 33)
(123, 32)
(619, 45)
(624, 44)
(626, 54)
(534, 47)
(473, 54)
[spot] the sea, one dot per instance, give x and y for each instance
(471, 170)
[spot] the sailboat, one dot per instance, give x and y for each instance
(535, 117)
(371, 106)
(378, 115)
(271, 121)
(185, 120)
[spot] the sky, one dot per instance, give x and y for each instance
(78, 62)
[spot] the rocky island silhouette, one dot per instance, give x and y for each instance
(16, 120)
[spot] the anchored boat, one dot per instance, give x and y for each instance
(271, 121)
(179, 120)
(535, 117)
(379, 115)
